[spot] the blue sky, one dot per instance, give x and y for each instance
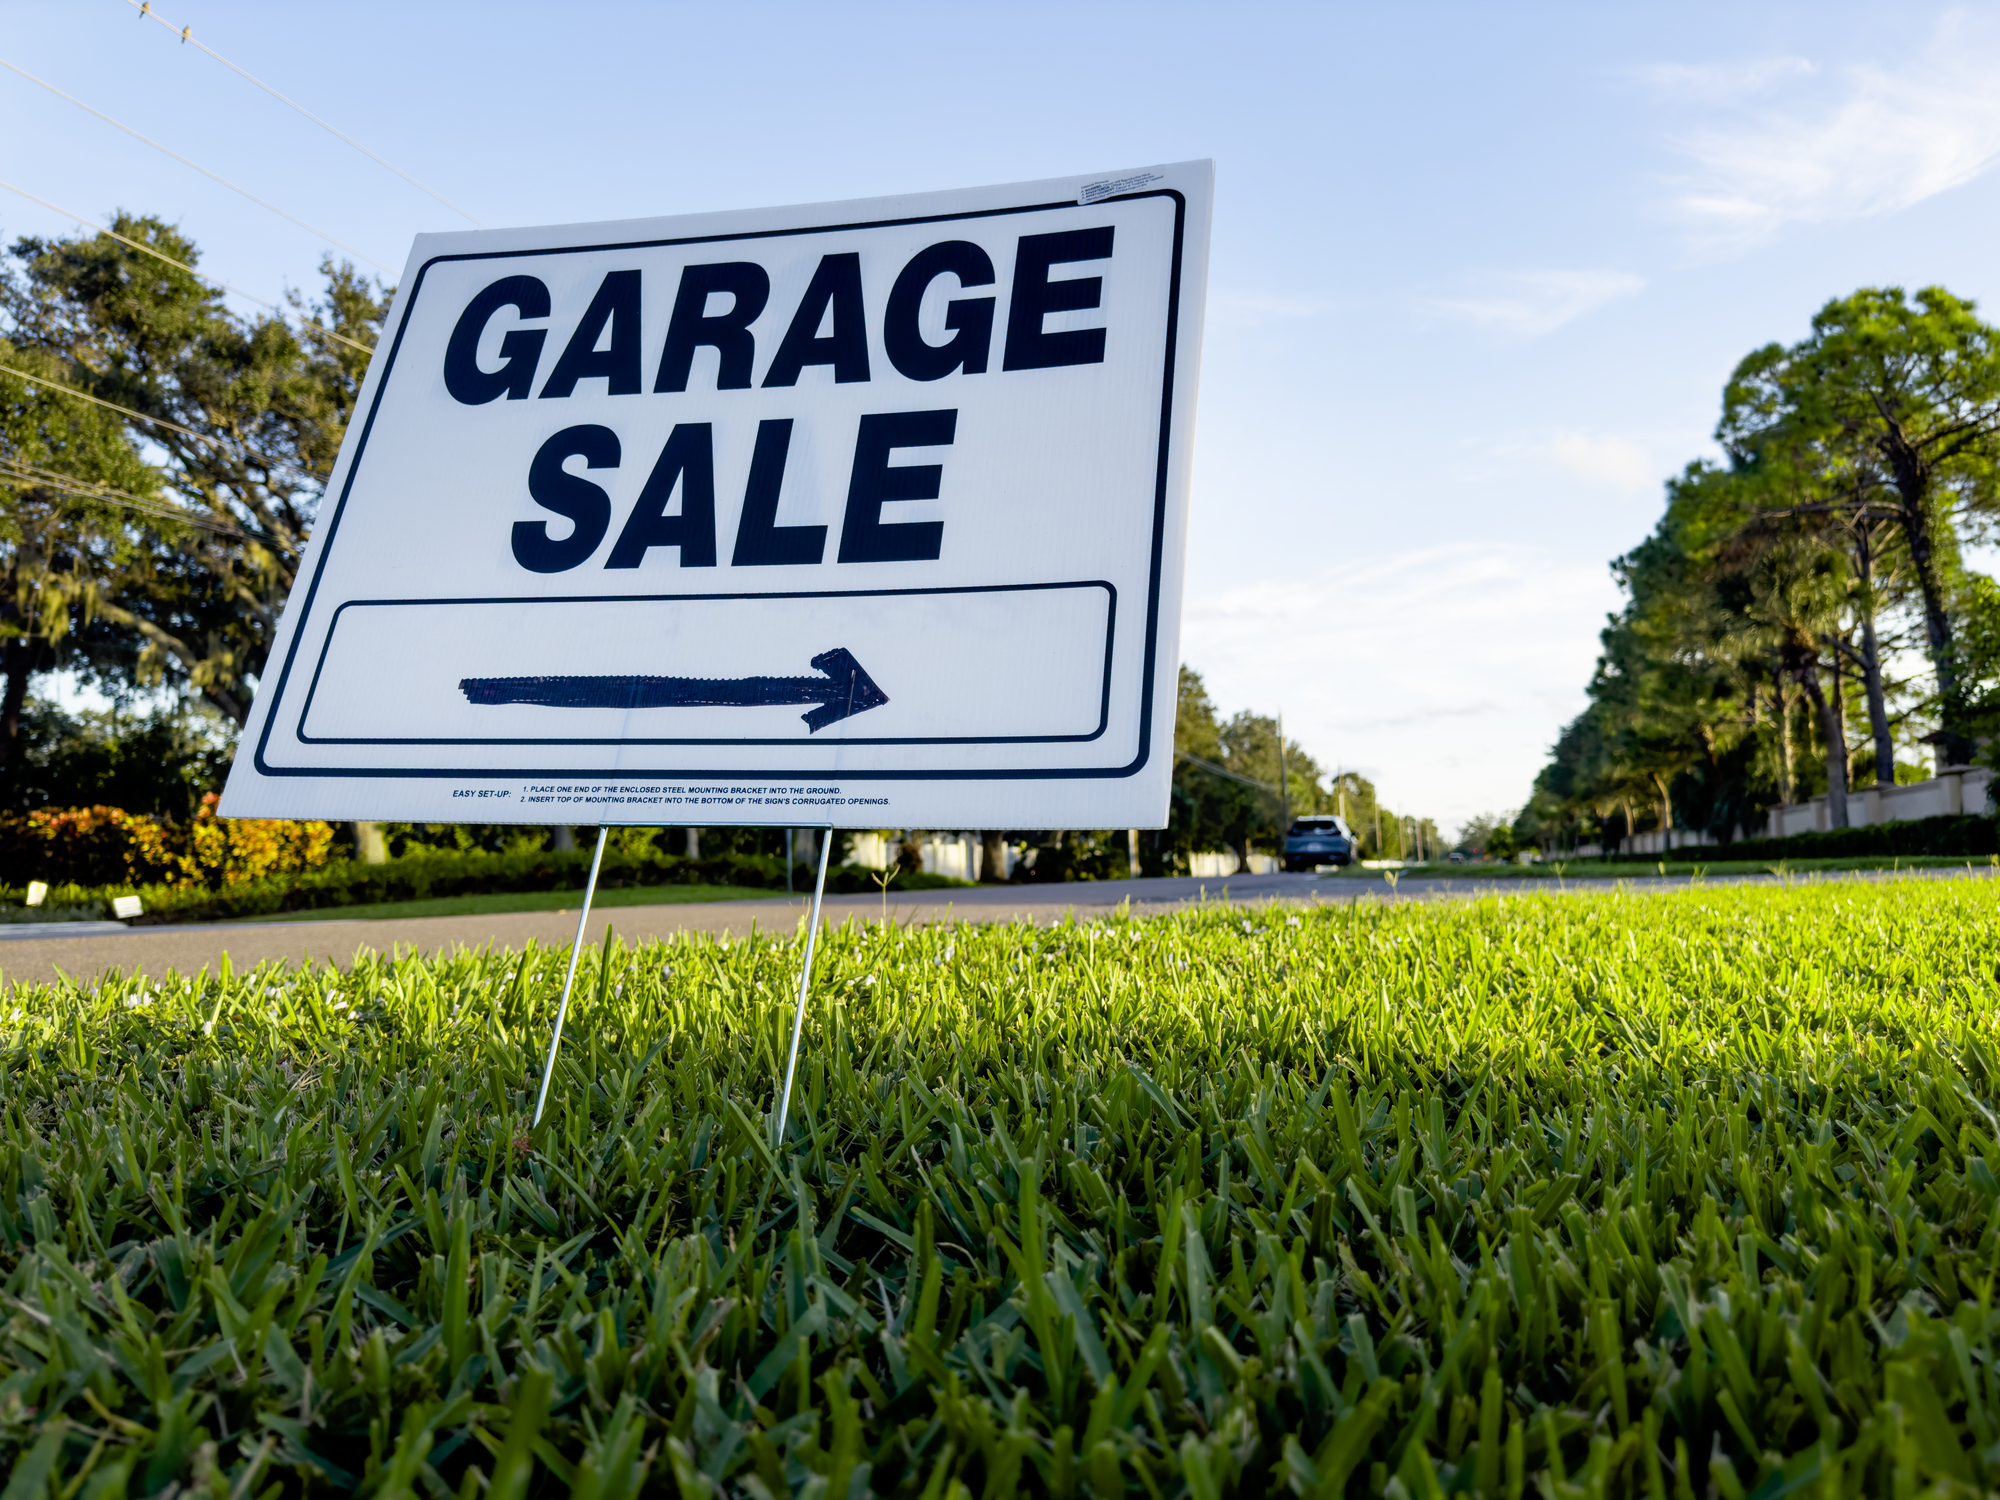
(1478, 276)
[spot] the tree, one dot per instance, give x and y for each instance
(1208, 806)
(1792, 493)
(1353, 797)
(248, 418)
(1227, 790)
(1902, 397)
(1793, 604)
(1783, 581)
(67, 534)
(1277, 779)
(1792, 584)
(156, 763)
(1476, 834)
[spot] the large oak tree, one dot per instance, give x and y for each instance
(246, 417)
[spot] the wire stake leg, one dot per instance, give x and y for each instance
(805, 984)
(575, 948)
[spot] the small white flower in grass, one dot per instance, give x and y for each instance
(1291, 921)
(949, 949)
(18, 1014)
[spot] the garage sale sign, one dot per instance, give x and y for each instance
(867, 514)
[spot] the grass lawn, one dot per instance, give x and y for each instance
(1712, 869)
(481, 906)
(1640, 1192)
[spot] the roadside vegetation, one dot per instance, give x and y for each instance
(1802, 621)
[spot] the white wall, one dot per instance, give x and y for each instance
(1215, 865)
(1660, 841)
(869, 850)
(1957, 789)
(958, 855)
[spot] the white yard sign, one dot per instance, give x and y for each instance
(866, 514)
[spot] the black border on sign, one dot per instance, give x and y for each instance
(817, 773)
(1103, 701)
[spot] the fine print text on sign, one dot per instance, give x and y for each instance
(870, 514)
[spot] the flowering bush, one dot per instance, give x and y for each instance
(106, 846)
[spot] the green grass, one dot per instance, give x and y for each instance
(1683, 869)
(483, 906)
(1689, 1193)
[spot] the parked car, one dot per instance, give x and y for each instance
(1318, 840)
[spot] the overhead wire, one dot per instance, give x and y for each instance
(1212, 768)
(70, 390)
(85, 489)
(186, 33)
(182, 265)
(217, 177)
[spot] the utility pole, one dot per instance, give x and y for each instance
(1284, 792)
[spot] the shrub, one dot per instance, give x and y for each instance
(1080, 856)
(1950, 835)
(107, 846)
(421, 877)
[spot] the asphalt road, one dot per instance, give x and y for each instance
(157, 950)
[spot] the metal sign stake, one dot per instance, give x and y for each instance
(805, 984)
(575, 948)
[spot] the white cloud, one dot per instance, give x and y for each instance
(1614, 461)
(1443, 674)
(1726, 82)
(1866, 140)
(1529, 304)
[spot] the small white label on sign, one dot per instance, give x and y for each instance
(125, 908)
(38, 892)
(1097, 192)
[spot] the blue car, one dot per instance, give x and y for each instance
(1319, 840)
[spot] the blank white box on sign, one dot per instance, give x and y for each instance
(125, 908)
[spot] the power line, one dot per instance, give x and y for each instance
(180, 265)
(1211, 767)
(148, 140)
(84, 489)
(145, 8)
(70, 390)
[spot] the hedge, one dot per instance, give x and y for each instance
(108, 845)
(1948, 835)
(420, 877)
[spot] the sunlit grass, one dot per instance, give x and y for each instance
(1684, 1193)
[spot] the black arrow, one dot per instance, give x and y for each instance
(845, 689)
